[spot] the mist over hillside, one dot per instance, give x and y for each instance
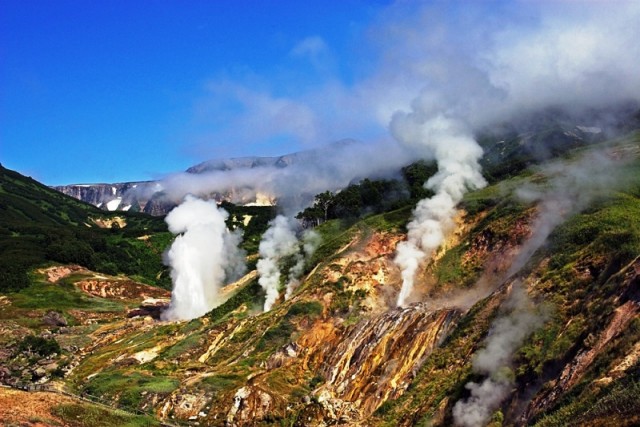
(536, 283)
(475, 262)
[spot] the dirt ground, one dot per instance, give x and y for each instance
(29, 409)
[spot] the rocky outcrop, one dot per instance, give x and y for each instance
(148, 196)
(377, 359)
(120, 196)
(627, 310)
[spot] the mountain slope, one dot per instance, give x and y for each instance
(338, 351)
(509, 147)
(39, 225)
(533, 297)
(148, 196)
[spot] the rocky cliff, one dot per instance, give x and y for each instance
(149, 197)
(112, 197)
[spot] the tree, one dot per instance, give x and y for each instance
(323, 202)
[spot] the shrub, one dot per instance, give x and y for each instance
(311, 309)
(39, 345)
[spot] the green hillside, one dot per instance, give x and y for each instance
(39, 225)
(339, 351)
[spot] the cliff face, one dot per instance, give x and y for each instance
(112, 197)
(148, 197)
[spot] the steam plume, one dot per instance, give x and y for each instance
(457, 155)
(571, 187)
(203, 256)
(310, 242)
(279, 242)
(506, 335)
(465, 61)
(295, 179)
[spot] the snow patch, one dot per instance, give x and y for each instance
(113, 190)
(126, 208)
(113, 204)
(589, 129)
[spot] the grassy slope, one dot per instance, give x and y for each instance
(607, 232)
(603, 239)
(39, 225)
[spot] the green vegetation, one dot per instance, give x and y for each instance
(42, 346)
(370, 196)
(39, 225)
(127, 388)
(276, 336)
(86, 414)
(249, 295)
(310, 309)
(616, 403)
(258, 221)
(193, 340)
(577, 279)
(61, 296)
(576, 276)
(222, 382)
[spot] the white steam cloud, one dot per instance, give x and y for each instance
(502, 58)
(310, 242)
(467, 83)
(457, 155)
(472, 64)
(280, 242)
(298, 177)
(437, 72)
(203, 257)
(506, 335)
(571, 186)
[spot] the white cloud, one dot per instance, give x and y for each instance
(481, 63)
(310, 46)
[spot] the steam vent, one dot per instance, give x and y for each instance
(313, 214)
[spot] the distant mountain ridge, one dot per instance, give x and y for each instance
(508, 147)
(283, 161)
(145, 196)
(110, 197)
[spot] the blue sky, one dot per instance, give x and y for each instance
(130, 90)
(110, 91)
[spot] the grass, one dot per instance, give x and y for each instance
(85, 414)
(248, 295)
(276, 336)
(222, 382)
(190, 342)
(393, 221)
(127, 387)
(310, 309)
(40, 225)
(61, 296)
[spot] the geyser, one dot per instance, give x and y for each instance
(203, 256)
(494, 360)
(457, 155)
(280, 241)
